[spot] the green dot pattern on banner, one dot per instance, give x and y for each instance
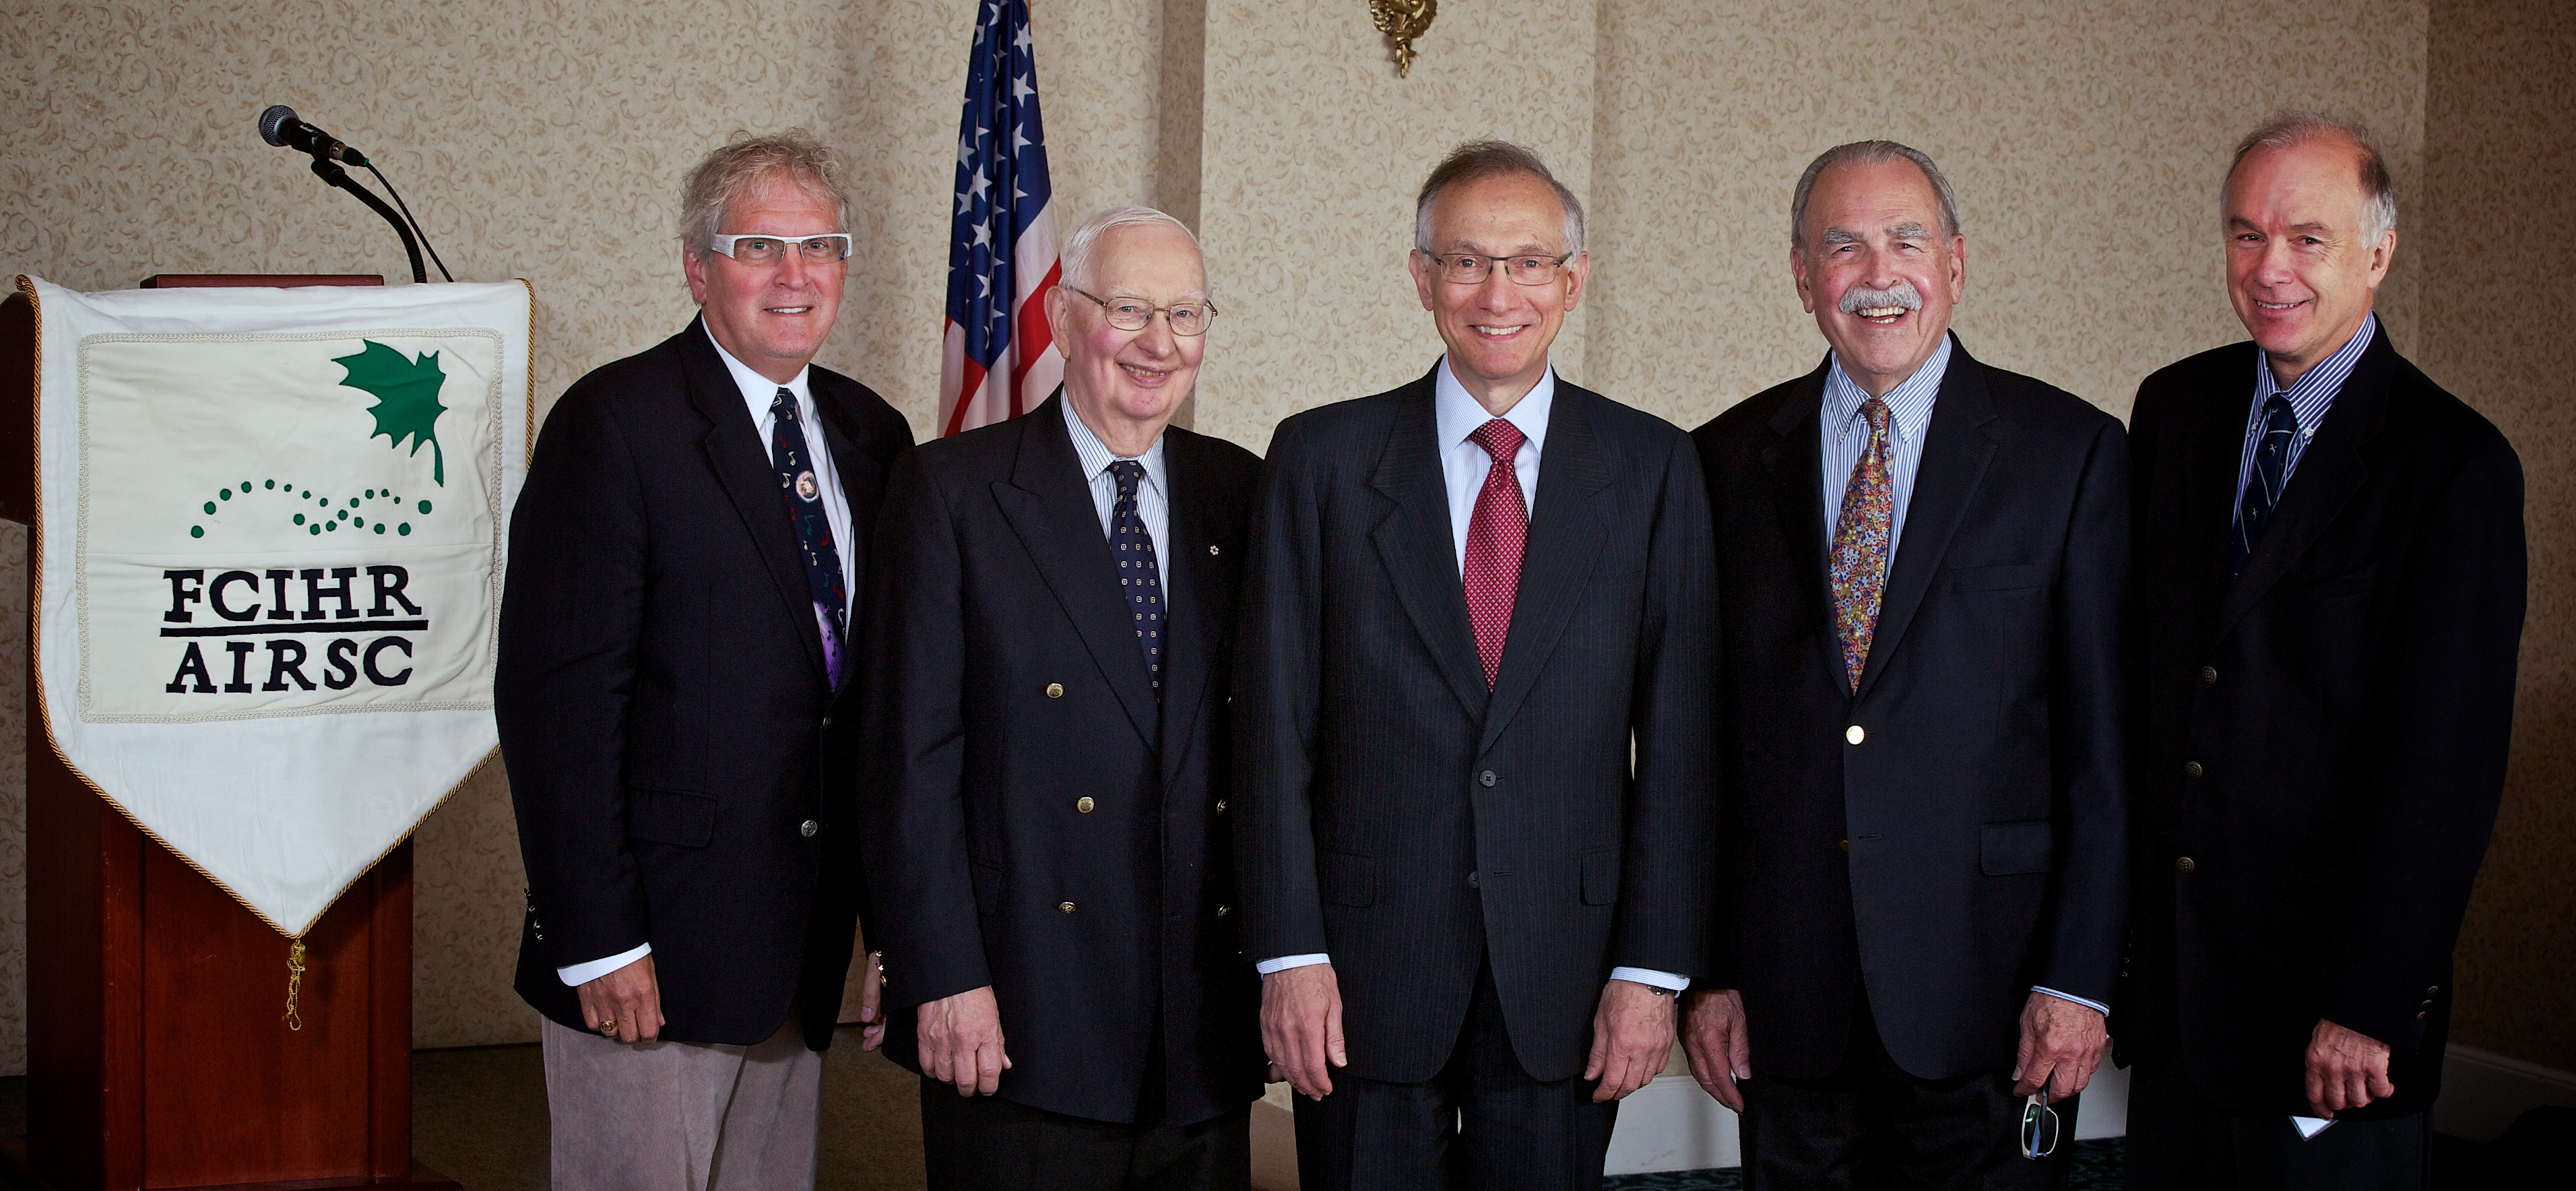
(330, 525)
(343, 515)
(424, 507)
(272, 483)
(299, 518)
(380, 527)
(313, 524)
(404, 529)
(360, 522)
(210, 507)
(196, 531)
(315, 530)
(371, 494)
(224, 493)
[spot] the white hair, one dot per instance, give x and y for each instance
(1078, 246)
(2294, 127)
(1870, 153)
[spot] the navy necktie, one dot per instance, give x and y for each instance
(2263, 488)
(1138, 578)
(804, 496)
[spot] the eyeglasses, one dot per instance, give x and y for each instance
(1467, 268)
(761, 248)
(2038, 1127)
(1133, 314)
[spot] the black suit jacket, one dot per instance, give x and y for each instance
(2347, 701)
(664, 712)
(1013, 695)
(1971, 844)
(1379, 776)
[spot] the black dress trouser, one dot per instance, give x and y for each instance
(1481, 1124)
(1872, 1125)
(985, 1143)
(2180, 1141)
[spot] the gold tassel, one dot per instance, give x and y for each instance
(294, 983)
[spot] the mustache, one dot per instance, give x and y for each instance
(1901, 294)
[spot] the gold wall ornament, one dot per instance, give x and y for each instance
(1402, 21)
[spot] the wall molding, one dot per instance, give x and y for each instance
(2482, 1092)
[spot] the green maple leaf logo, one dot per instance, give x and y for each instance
(406, 393)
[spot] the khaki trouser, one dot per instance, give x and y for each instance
(682, 1116)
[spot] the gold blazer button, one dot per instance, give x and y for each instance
(1055, 690)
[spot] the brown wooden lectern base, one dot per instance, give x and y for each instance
(158, 1053)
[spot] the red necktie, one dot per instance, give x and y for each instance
(1495, 536)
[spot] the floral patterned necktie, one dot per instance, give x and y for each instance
(1861, 534)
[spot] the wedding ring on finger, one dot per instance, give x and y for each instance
(608, 1025)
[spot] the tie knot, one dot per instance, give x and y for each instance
(1127, 472)
(783, 405)
(1500, 438)
(1877, 413)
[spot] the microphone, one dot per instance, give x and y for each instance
(279, 126)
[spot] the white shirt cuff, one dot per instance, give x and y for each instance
(1649, 976)
(1285, 962)
(581, 974)
(2095, 1006)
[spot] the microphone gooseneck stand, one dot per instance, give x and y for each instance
(329, 171)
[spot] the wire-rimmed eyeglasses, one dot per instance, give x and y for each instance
(1187, 317)
(1469, 268)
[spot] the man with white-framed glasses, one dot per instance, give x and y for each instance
(676, 648)
(1045, 820)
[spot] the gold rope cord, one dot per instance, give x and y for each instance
(294, 982)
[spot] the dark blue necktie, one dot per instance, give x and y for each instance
(2263, 488)
(804, 496)
(1138, 578)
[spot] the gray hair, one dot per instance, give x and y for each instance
(740, 169)
(1488, 159)
(1085, 239)
(2294, 127)
(1870, 153)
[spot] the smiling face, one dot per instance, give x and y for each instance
(1126, 385)
(2299, 271)
(1498, 331)
(771, 317)
(1876, 271)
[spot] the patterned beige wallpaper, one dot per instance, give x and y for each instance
(2501, 166)
(544, 139)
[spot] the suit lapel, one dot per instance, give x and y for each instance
(1416, 545)
(1796, 464)
(1956, 450)
(2213, 450)
(1566, 531)
(1194, 634)
(2331, 471)
(741, 463)
(1048, 504)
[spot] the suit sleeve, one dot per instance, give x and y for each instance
(1670, 838)
(2442, 730)
(2093, 734)
(1279, 643)
(572, 613)
(912, 813)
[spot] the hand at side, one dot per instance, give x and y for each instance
(1301, 1027)
(961, 1041)
(628, 996)
(1720, 1048)
(1632, 1038)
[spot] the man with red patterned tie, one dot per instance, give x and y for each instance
(1474, 710)
(1923, 582)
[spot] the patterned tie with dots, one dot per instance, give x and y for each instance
(1859, 569)
(1138, 578)
(804, 497)
(2271, 475)
(1496, 534)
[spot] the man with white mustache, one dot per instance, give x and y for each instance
(1045, 775)
(1923, 586)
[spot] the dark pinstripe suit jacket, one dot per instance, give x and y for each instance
(1378, 773)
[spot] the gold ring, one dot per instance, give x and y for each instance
(608, 1026)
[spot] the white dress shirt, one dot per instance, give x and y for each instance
(758, 392)
(1463, 467)
(1153, 497)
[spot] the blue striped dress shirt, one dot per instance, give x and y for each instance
(2310, 397)
(1153, 497)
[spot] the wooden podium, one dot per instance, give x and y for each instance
(158, 1054)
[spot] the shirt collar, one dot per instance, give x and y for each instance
(1460, 413)
(759, 391)
(1096, 455)
(1909, 404)
(2314, 392)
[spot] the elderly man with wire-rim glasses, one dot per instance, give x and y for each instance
(675, 661)
(1046, 767)
(1476, 700)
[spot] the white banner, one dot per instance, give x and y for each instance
(269, 562)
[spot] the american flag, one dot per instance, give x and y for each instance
(999, 361)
